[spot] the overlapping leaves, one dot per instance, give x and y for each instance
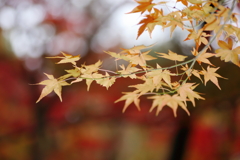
(169, 85)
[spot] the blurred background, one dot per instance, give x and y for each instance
(89, 125)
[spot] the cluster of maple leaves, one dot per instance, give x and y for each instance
(157, 82)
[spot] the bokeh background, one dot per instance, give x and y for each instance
(89, 125)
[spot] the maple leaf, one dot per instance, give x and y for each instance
(188, 71)
(106, 81)
(68, 58)
(129, 97)
(234, 18)
(159, 75)
(140, 59)
(175, 19)
(196, 1)
(186, 91)
(144, 5)
(211, 75)
(172, 101)
(128, 72)
(150, 21)
(117, 56)
(156, 75)
(184, 2)
(194, 12)
(77, 80)
(136, 57)
(172, 56)
(88, 69)
(199, 37)
(226, 52)
(74, 72)
(134, 50)
(212, 23)
(232, 30)
(90, 77)
(52, 84)
(145, 87)
(203, 57)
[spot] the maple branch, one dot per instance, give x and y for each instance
(214, 37)
(209, 43)
(167, 92)
(107, 71)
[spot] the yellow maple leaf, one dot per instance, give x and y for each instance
(159, 75)
(117, 56)
(134, 50)
(144, 5)
(198, 36)
(74, 72)
(188, 71)
(136, 57)
(129, 97)
(140, 59)
(129, 71)
(145, 87)
(210, 74)
(172, 56)
(172, 101)
(186, 91)
(89, 69)
(212, 23)
(203, 57)
(175, 19)
(90, 77)
(226, 52)
(106, 81)
(77, 80)
(193, 12)
(68, 58)
(52, 84)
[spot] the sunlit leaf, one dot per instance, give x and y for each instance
(129, 97)
(172, 101)
(172, 56)
(210, 74)
(51, 84)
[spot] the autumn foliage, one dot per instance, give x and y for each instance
(164, 86)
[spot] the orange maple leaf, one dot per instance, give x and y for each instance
(184, 2)
(144, 5)
(151, 21)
